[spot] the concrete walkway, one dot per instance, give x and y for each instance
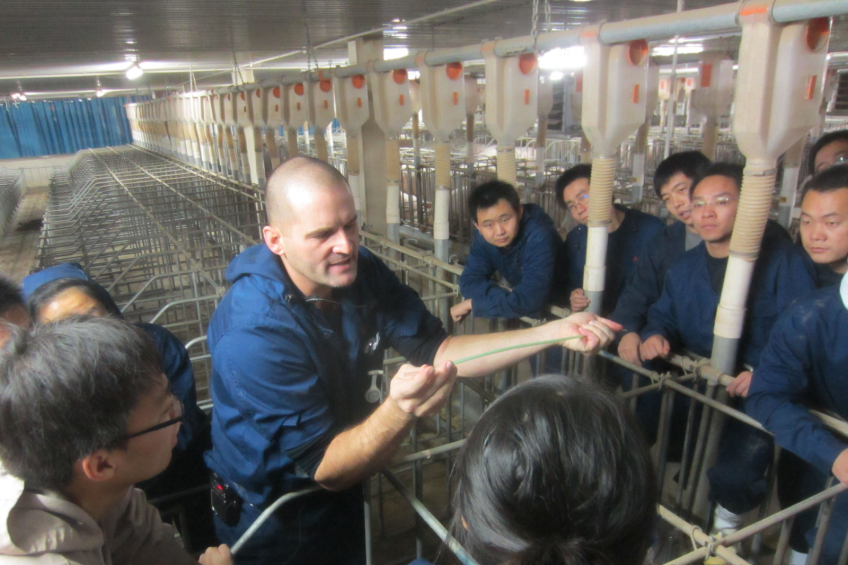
(20, 243)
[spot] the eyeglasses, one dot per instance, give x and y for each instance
(719, 202)
(841, 160)
(581, 200)
(176, 414)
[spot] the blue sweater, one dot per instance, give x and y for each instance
(803, 366)
(529, 265)
(625, 246)
(685, 312)
(645, 286)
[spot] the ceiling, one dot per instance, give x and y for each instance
(60, 45)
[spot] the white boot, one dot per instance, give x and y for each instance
(725, 523)
(797, 558)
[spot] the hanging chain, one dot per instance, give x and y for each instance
(237, 70)
(310, 52)
(548, 25)
(534, 31)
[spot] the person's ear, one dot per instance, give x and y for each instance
(99, 466)
(274, 240)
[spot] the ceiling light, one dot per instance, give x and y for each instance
(685, 49)
(130, 42)
(99, 92)
(134, 72)
(559, 59)
(394, 53)
(557, 75)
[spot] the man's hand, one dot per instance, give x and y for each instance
(840, 467)
(628, 348)
(595, 332)
(461, 310)
(422, 391)
(653, 347)
(741, 384)
(217, 556)
(578, 300)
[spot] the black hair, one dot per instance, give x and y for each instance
(10, 295)
(489, 194)
(43, 295)
(691, 163)
(67, 390)
(556, 471)
(577, 172)
(826, 139)
(830, 179)
(729, 170)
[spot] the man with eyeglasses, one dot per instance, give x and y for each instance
(629, 233)
(684, 318)
(829, 150)
(85, 413)
(518, 241)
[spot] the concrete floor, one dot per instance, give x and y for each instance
(19, 244)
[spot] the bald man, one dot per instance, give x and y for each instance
(294, 342)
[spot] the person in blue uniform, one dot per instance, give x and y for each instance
(803, 367)
(308, 316)
(672, 183)
(824, 224)
(684, 317)
(65, 290)
(629, 233)
(518, 241)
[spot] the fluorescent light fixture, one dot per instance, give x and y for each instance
(394, 53)
(557, 75)
(99, 92)
(134, 72)
(559, 59)
(684, 49)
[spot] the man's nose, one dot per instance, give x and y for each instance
(342, 243)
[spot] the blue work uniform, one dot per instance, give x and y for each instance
(802, 367)
(624, 248)
(529, 265)
(286, 379)
(685, 316)
(645, 286)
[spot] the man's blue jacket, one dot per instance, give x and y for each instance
(685, 313)
(803, 366)
(645, 286)
(529, 265)
(286, 378)
(624, 249)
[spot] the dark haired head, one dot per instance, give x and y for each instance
(10, 295)
(67, 390)
(829, 180)
(822, 142)
(46, 293)
(691, 163)
(489, 194)
(555, 472)
(729, 170)
(577, 172)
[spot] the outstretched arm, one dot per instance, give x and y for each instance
(587, 333)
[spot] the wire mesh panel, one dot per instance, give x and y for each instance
(12, 185)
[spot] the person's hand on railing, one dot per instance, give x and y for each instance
(840, 467)
(741, 384)
(653, 347)
(422, 391)
(595, 332)
(461, 310)
(578, 300)
(217, 556)
(628, 348)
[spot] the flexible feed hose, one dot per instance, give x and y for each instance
(600, 199)
(393, 181)
(441, 218)
(506, 165)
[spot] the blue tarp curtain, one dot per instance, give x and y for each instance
(55, 127)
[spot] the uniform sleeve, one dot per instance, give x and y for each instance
(177, 367)
(538, 257)
(575, 258)
(642, 290)
(662, 318)
(778, 390)
(797, 280)
(135, 535)
(274, 384)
